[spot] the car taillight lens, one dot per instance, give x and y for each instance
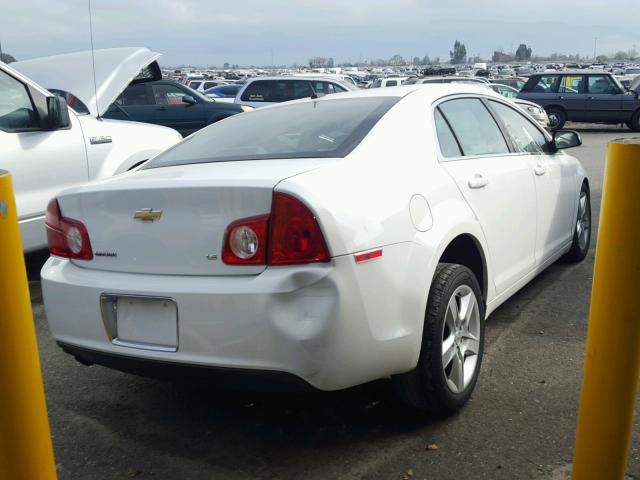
(289, 235)
(245, 241)
(294, 233)
(66, 237)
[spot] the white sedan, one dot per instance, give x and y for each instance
(328, 241)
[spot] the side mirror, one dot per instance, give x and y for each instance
(57, 113)
(566, 139)
(188, 99)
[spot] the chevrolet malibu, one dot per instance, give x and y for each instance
(327, 242)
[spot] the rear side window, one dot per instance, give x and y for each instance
(194, 85)
(392, 83)
(571, 84)
(137, 94)
(16, 109)
(448, 143)
(474, 127)
(542, 84)
(314, 129)
(276, 90)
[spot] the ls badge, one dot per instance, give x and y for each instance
(147, 215)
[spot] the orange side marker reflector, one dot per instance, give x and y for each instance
(363, 257)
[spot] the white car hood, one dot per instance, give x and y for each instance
(73, 73)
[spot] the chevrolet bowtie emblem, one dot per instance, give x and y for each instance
(147, 215)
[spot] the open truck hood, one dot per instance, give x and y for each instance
(115, 68)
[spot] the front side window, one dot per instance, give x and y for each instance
(474, 127)
(392, 83)
(314, 129)
(525, 136)
(323, 88)
(16, 110)
(194, 85)
(168, 95)
(601, 84)
(571, 84)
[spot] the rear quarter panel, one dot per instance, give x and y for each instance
(362, 203)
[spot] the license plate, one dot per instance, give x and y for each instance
(143, 322)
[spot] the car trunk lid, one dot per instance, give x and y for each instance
(172, 220)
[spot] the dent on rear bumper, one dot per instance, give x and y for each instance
(333, 325)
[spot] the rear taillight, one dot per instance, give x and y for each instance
(294, 233)
(245, 241)
(289, 235)
(66, 237)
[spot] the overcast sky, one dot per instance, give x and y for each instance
(207, 32)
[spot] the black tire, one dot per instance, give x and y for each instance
(579, 249)
(426, 387)
(634, 124)
(557, 118)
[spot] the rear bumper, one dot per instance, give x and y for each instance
(331, 325)
(164, 370)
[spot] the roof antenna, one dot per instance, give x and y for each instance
(93, 64)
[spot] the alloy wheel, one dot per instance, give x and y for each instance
(461, 339)
(583, 224)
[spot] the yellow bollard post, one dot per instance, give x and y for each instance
(612, 360)
(26, 452)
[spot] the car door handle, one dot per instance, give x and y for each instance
(560, 97)
(478, 181)
(162, 109)
(540, 170)
(591, 98)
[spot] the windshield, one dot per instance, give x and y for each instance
(311, 129)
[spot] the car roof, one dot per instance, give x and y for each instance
(297, 77)
(428, 92)
(573, 72)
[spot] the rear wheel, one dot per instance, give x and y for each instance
(634, 124)
(557, 118)
(452, 344)
(582, 230)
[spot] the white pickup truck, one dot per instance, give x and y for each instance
(47, 146)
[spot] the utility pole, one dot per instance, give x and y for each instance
(595, 46)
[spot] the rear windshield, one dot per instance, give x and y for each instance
(315, 129)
